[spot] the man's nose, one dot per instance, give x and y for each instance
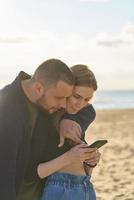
(63, 103)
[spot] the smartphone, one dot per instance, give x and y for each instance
(97, 144)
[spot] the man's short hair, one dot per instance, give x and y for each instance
(53, 70)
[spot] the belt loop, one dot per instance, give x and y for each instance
(85, 169)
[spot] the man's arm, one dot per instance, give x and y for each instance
(8, 154)
(73, 125)
(84, 117)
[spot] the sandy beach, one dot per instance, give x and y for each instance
(113, 178)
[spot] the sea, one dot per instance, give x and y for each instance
(114, 99)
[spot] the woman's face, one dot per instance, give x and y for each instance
(79, 99)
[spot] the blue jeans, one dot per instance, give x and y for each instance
(65, 186)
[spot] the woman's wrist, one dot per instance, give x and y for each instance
(90, 165)
(67, 158)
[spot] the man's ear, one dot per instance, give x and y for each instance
(39, 88)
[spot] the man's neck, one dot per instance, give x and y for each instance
(28, 90)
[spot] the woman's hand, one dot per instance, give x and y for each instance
(94, 160)
(81, 153)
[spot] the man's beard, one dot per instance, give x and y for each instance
(39, 103)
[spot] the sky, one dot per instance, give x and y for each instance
(98, 33)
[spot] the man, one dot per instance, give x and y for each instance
(20, 104)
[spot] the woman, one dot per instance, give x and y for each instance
(70, 182)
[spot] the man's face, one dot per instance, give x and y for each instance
(79, 99)
(55, 97)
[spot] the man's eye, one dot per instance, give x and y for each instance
(76, 96)
(60, 98)
(88, 99)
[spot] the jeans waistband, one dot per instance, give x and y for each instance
(68, 178)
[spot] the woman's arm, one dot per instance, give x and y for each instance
(47, 168)
(77, 154)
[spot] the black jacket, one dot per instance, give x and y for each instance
(15, 137)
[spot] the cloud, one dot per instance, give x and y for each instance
(128, 29)
(124, 38)
(112, 43)
(108, 55)
(13, 39)
(96, 1)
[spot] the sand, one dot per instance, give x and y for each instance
(113, 178)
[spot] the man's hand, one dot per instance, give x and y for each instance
(71, 130)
